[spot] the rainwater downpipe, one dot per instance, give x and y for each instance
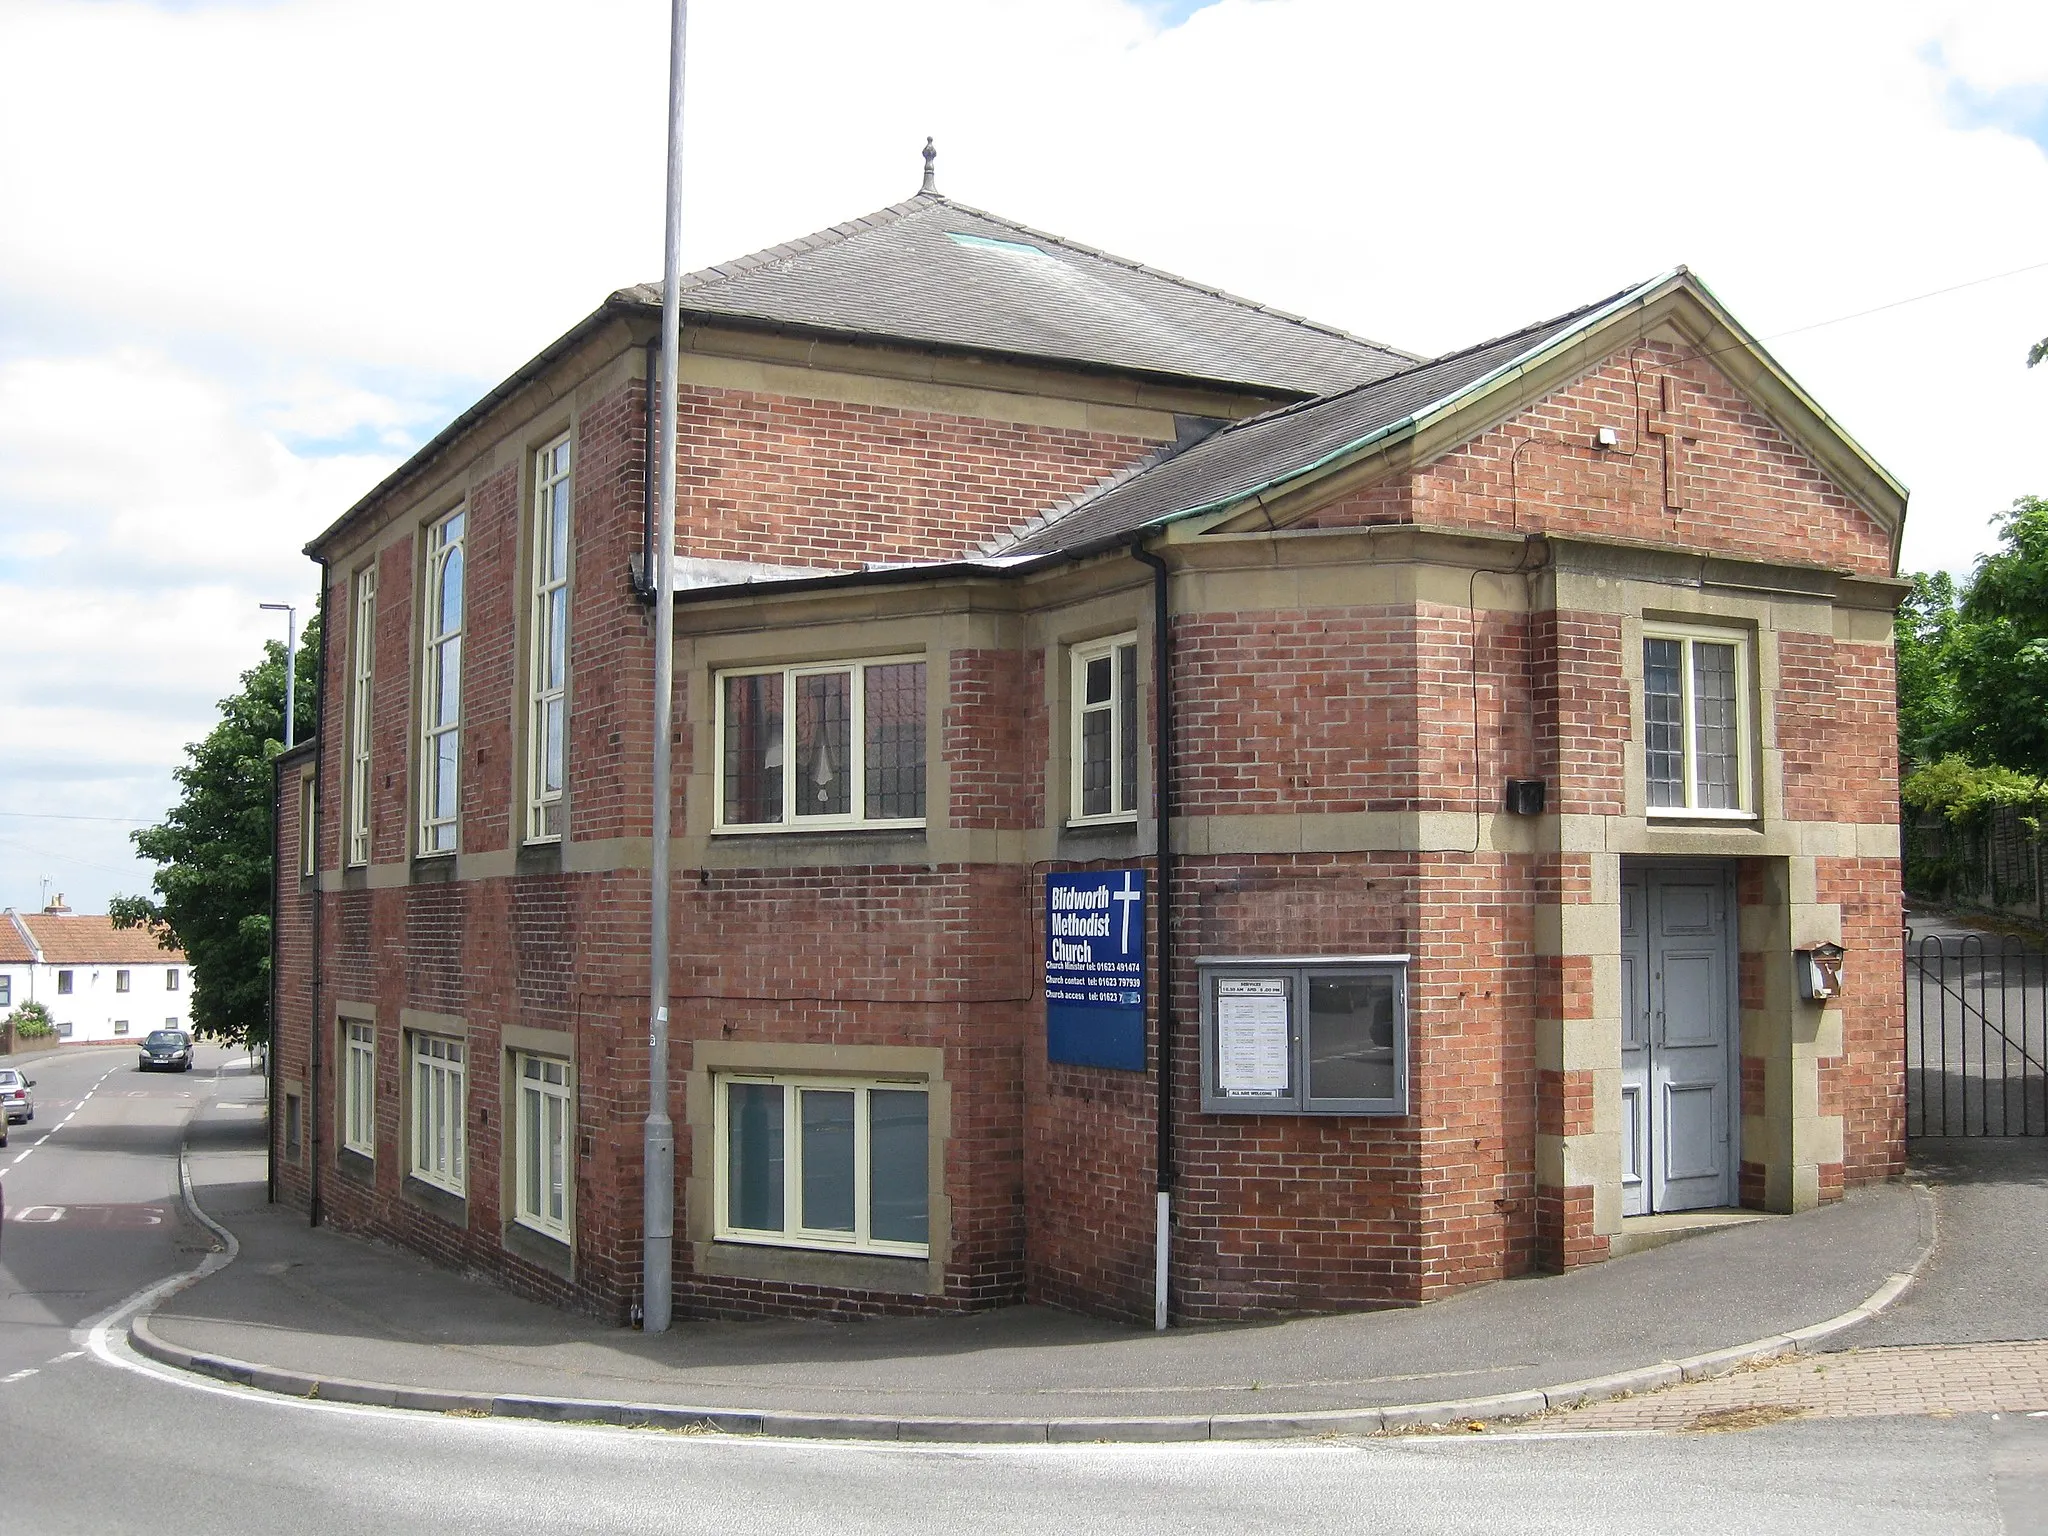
(318, 1029)
(1162, 768)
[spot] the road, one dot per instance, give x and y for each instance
(93, 1439)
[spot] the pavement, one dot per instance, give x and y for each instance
(1923, 1293)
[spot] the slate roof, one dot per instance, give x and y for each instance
(1003, 287)
(83, 939)
(1251, 454)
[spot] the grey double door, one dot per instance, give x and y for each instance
(1679, 1032)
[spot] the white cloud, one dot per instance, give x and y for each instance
(251, 254)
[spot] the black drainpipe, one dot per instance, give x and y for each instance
(320, 799)
(1162, 779)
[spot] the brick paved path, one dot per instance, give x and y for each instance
(1861, 1383)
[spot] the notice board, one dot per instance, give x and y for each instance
(1095, 968)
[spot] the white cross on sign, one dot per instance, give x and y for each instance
(1127, 896)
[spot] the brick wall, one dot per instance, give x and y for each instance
(821, 482)
(1745, 483)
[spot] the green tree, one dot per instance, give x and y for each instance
(1924, 644)
(1999, 648)
(214, 850)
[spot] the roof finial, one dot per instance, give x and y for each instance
(931, 156)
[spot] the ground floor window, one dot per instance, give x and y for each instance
(359, 1089)
(545, 1120)
(437, 1109)
(120, 1026)
(824, 1163)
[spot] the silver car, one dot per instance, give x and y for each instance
(15, 1097)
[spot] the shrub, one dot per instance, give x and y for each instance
(32, 1021)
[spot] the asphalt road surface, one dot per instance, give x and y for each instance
(92, 1439)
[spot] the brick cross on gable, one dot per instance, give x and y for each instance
(1674, 424)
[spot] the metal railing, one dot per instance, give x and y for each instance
(1976, 1036)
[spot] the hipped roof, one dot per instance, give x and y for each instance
(900, 276)
(934, 271)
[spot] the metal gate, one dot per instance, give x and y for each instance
(1976, 1035)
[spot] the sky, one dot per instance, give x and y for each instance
(254, 252)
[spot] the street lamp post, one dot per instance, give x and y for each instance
(658, 1134)
(291, 664)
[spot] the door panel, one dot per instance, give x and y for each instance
(1692, 1113)
(1678, 1032)
(1692, 998)
(1635, 1041)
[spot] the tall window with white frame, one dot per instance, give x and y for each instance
(441, 688)
(309, 826)
(1105, 731)
(362, 668)
(359, 1088)
(546, 1122)
(437, 1110)
(1696, 750)
(547, 720)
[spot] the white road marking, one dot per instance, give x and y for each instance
(69, 1354)
(17, 1376)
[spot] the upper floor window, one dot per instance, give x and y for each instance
(63, 983)
(171, 979)
(441, 688)
(1105, 730)
(309, 825)
(121, 980)
(363, 647)
(547, 701)
(1696, 754)
(855, 757)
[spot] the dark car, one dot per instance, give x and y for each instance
(170, 1049)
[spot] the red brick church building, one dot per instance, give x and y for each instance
(1513, 723)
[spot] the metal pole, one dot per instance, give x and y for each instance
(291, 664)
(658, 1145)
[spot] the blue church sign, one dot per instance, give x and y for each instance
(1095, 968)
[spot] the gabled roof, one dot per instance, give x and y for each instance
(14, 948)
(83, 939)
(1249, 455)
(1285, 448)
(934, 271)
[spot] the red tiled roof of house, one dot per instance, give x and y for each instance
(14, 948)
(82, 939)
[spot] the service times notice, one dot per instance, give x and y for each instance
(1253, 1040)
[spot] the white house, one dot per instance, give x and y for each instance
(98, 981)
